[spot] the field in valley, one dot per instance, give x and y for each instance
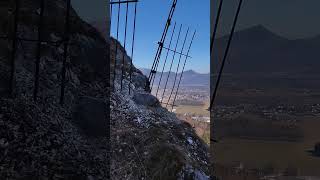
(265, 150)
(199, 110)
(201, 126)
(278, 154)
(192, 106)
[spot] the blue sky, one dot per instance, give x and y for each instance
(152, 16)
(151, 19)
(93, 10)
(289, 18)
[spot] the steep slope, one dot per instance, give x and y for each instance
(44, 140)
(148, 142)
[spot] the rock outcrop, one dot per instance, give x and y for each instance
(145, 99)
(90, 116)
(44, 140)
(148, 141)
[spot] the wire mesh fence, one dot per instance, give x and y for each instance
(214, 93)
(40, 41)
(155, 63)
(122, 17)
(165, 85)
(161, 85)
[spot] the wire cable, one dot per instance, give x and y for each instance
(175, 78)
(124, 45)
(132, 47)
(39, 45)
(225, 55)
(173, 56)
(14, 47)
(116, 44)
(165, 61)
(184, 65)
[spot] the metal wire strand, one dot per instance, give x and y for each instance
(184, 65)
(116, 43)
(122, 2)
(213, 97)
(124, 46)
(14, 47)
(132, 47)
(173, 56)
(65, 53)
(161, 42)
(214, 34)
(36, 75)
(165, 61)
(175, 78)
(163, 37)
(111, 8)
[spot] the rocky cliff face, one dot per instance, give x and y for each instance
(44, 140)
(147, 141)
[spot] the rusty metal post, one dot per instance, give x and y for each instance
(65, 53)
(38, 56)
(14, 46)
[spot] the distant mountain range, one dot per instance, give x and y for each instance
(258, 56)
(189, 78)
(261, 58)
(257, 49)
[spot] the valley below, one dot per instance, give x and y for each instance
(264, 130)
(266, 115)
(191, 105)
(192, 99)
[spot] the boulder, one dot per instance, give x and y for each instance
(91, 116)
(92, 56)
(145, 99)
(139, 80)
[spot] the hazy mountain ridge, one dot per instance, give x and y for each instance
(259, 58)
(189, 78)
(257, 49)
(258, 53)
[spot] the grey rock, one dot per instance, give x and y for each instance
(139, 80)
(145, 99)
(3, 143)
(91, 55)
(190, 173)
(91, 116)
(90, 177)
